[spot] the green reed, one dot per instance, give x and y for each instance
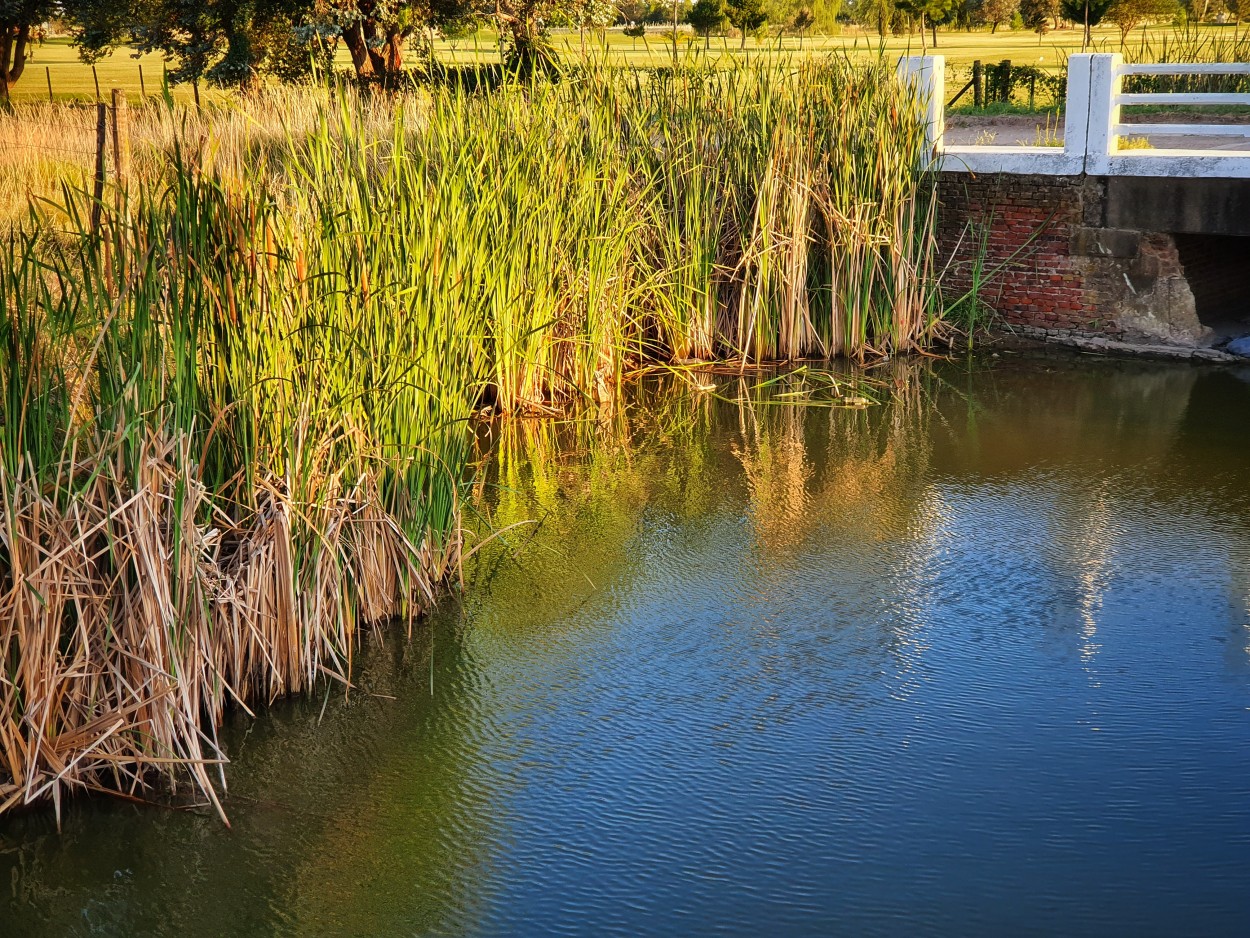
(237, 413)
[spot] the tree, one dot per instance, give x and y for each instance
(1128, 14)
(676, 22)
(526, 22)
(878, 13)
(1037, 14)
(746, 16)
(234, 42)
(19, 22)
(939, 13)
(997, 12)
(636, 31)
(931, 12)
(825, 15)
(1085, 13)
(375, 31)
(590, 14)
(803, 21)
(705, 17)
(227, 42)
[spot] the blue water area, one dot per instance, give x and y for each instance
(972, 660)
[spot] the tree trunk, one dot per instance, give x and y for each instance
(372, 62)
(393, 58)
(358, 48)
(933, 29)
(13, 42)
(527, 49)
(6, 44)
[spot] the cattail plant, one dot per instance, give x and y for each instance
(237, 412)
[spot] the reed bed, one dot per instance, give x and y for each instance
(238, 407)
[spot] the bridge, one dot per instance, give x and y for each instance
(1096, 243)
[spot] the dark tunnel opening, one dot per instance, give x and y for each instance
(1217, 268)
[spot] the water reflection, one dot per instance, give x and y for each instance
(974, 659)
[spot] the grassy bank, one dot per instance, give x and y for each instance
(237, 413)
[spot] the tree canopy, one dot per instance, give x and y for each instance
(1128, 14)
(706, 16)
(241, 42)
(747, 16)
(996, 12)
(1085, 13)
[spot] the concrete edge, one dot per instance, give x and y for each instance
(1114, 347)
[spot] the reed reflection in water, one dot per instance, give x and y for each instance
(974, 659)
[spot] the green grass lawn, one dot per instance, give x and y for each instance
(56, 62)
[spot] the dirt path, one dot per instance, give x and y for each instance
(1032, 130)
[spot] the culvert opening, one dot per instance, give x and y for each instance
(1217, 268)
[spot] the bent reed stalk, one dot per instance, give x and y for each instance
(237, 415)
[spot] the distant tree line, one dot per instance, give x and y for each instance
(238, 42)
(900, 16)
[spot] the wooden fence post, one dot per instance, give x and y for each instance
(1004, 81)
(121, 145)
(101, 149)
(978, 79)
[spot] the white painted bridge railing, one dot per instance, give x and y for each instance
(1092, 125)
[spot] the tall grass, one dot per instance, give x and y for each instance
(237, 415)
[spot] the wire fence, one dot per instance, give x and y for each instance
(27, 135)
(34, 149)
(83, 84)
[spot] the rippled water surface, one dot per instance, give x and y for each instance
(973, 662)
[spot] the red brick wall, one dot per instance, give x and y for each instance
(1031, 221)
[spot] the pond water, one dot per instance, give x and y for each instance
(976, 661)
